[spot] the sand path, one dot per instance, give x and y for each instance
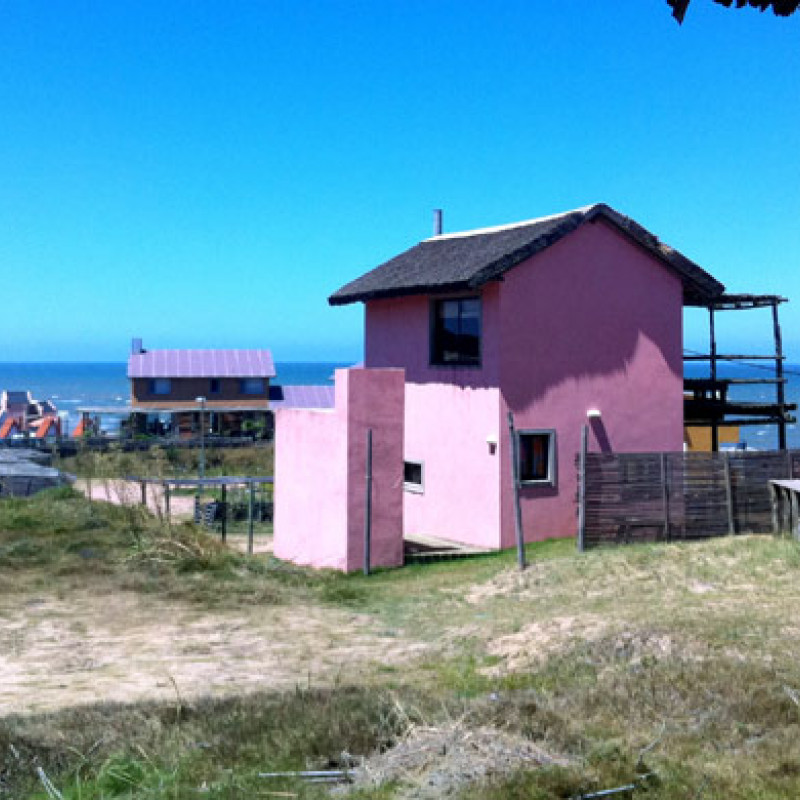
(127, 647)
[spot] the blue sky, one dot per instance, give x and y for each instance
(205, 174)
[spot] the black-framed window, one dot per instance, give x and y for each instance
(161, 386)
(536, 451)
(215, 386)
(251, 386)
(413, 475)
(456, 331)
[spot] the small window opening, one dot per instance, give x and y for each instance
(537, 457)
(412, 476)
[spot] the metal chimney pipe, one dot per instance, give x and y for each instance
(437, 222)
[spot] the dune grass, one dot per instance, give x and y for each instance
(677, 661)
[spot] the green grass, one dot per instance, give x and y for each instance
(173, 462)
(211, 749)
(683, 660)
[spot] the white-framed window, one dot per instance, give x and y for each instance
(161, 386)
(251, 386)
(536, 457)
(456, 331)
(413, 476)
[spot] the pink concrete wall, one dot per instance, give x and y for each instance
(592, 322)
(310, 525)
(397, 334)
(320, 459)
(376, 401)
(447, 428)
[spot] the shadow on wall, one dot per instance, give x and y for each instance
(600, 434)
(591, 306)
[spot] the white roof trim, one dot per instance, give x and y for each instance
(510, 226)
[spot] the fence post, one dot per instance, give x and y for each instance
(515, 478)
(665, 495)
(582, 489)
(775, 503)
(224, 513)
(729, 494)
(250, 514)
(368, 507)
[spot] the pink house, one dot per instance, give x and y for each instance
(564, 321)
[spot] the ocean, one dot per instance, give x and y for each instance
(74, 385)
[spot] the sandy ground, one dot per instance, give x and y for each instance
(124, 647)
(124, 492)
(65, 650)
(181, 507)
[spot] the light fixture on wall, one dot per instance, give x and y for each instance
(593, 413)
(491, 440)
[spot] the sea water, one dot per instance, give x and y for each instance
(77, 385)
(105, 384)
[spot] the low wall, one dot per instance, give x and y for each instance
(320, 474)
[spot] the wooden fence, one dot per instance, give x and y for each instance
(647, 497)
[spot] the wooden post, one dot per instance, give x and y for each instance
(781, 395)
(250, 514)
(224, 513)
(166, 501)
(515, 477)
(665, 495)
(143, 487)
(713, 354)
(795, 514)
(368, 506)
(773, 496)
(582, 489)
(729, 494)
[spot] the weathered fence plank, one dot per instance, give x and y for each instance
(637, 497)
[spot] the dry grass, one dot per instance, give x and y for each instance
(683, 660)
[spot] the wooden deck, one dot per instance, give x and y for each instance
(419, 549)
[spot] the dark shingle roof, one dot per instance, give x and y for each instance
(466, 261)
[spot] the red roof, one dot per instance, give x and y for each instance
(8, 426)
(48, 425)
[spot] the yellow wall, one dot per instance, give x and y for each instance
(698, 439)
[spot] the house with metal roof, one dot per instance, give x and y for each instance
(556, 324)
(171, 390)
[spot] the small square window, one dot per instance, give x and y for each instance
(456, 332)
(161, 386)
(412, 476)
(216, 386)
(251, 386)
(537, 457)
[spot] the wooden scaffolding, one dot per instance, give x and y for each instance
(706, 402)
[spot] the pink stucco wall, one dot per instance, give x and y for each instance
(591, 322)
(397, 334)
(447, 428)
(320, 461)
